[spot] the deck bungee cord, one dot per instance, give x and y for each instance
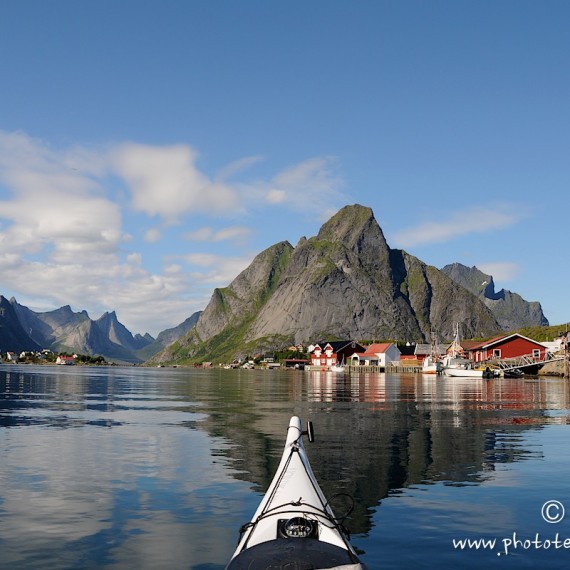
(294, 526)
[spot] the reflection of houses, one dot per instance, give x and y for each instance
(510, 346)
(379, 354)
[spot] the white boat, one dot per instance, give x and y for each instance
(294, 526)
(470, 372)
(454, 357)
(431, 365)
(337, 368)
(454, 364)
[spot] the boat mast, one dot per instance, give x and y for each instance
(455, 348)
(434, 351)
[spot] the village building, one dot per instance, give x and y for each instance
(423, 350)
(377, 354)
(333, 352)
(555, 346)
(510, 346)
(324, 356)
(408, 352)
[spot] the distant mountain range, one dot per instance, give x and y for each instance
(510, 310)
(63, 330)
(344, 283)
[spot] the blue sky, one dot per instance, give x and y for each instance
(150, 149)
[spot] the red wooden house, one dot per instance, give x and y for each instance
(510, 346)
(329, 353)
(323, 356)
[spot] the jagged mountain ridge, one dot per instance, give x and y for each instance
(346, 282)
(168, 336)
(13, 335)
(63, 330)
(510, 310)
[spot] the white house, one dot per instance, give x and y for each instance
(379, 354)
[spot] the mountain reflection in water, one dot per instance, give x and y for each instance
(154, 468)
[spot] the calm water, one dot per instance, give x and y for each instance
(157, 468)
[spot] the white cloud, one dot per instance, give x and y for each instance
(460, 223)
(238, 233)
(50, 206)
(201, 234)
(62, 236)
(220, 270)
(276, 196)
(68, 233)
(152, 235)
(238, 166)
(202, 259)
(134, 258)
(173, 268)
(315, 179)
(165, 182)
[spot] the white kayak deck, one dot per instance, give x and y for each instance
(294, 527)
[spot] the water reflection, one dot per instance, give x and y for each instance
(153, 468)
(407, 430)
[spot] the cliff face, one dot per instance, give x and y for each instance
(509, 309)
(14, 336)
(247, 293)
(224, 323)
(347, 283)
(343, 283)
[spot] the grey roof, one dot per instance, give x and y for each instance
(426, 349)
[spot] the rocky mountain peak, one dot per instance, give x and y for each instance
(345, 282)
(510, 310)
(472, 278)
(356, 227)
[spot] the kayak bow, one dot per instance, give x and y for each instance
(294, 527)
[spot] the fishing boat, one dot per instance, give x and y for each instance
(294, 527)
(455, 364)
(431, 364)
(468, 372)
(454, 357)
